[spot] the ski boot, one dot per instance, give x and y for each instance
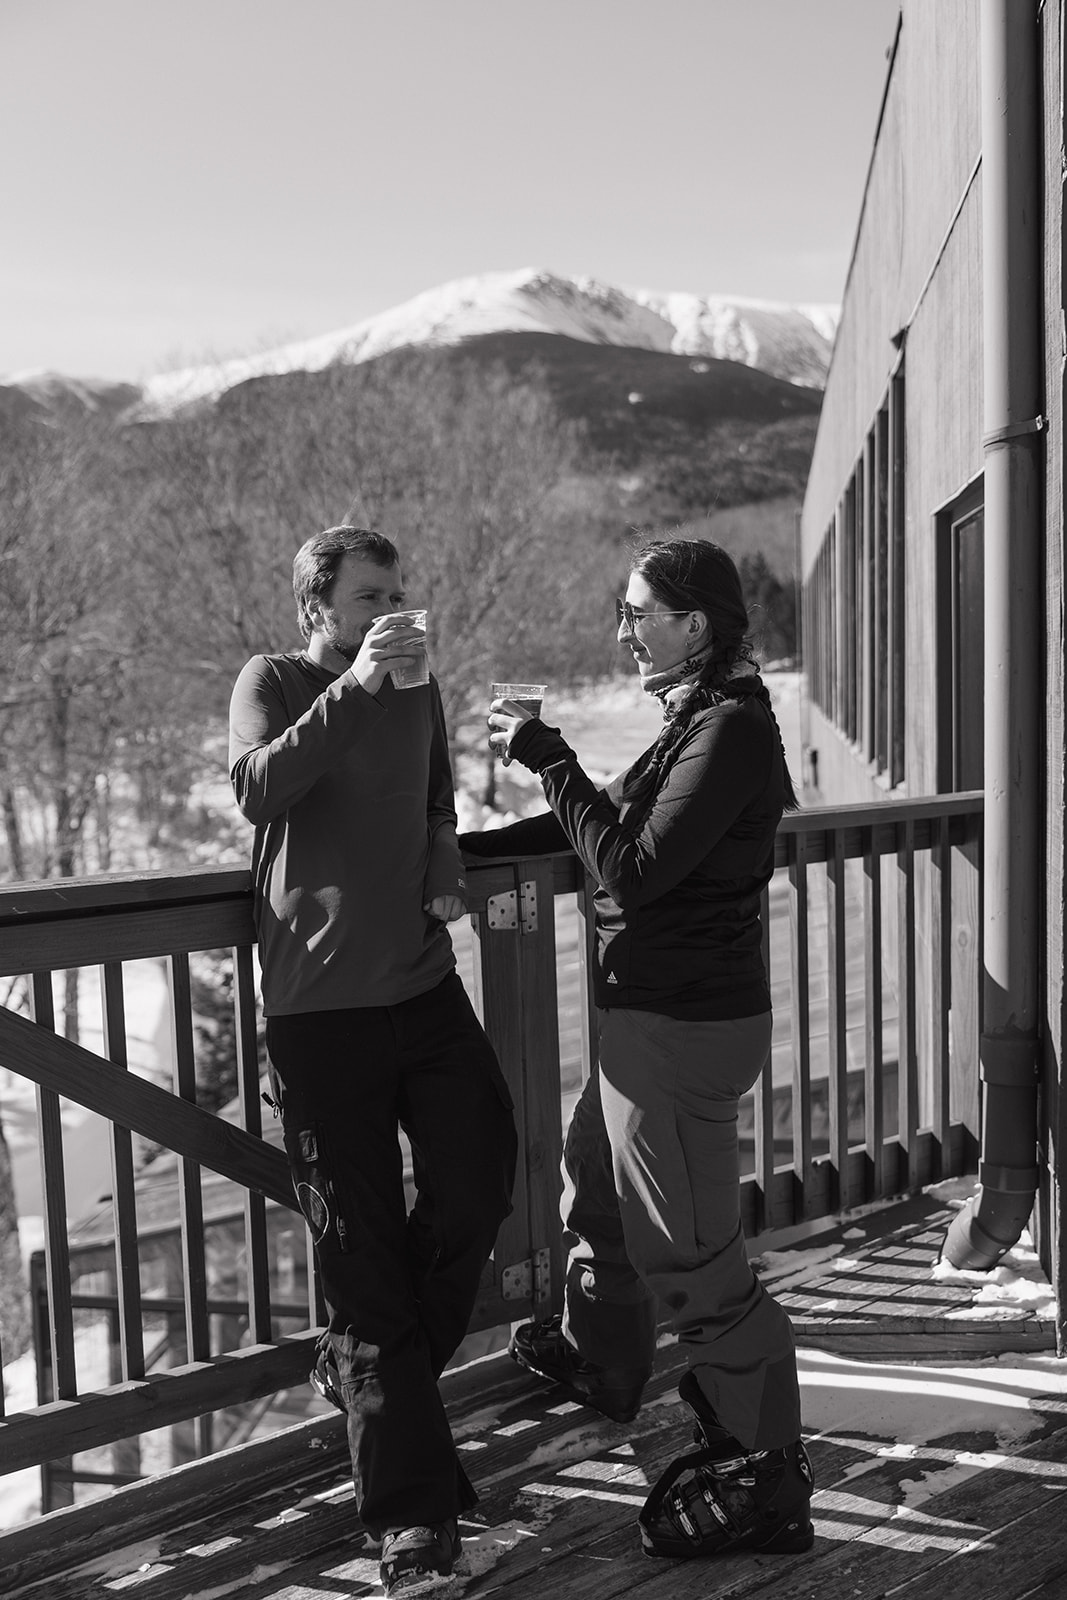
(542, 1349)
(412, 1555)
(721, 1498)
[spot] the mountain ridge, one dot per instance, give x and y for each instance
(791, 342)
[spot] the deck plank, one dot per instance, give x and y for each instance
(561, 1486)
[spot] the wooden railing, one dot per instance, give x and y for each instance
(196, 1263)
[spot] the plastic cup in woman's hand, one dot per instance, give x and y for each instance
(530, 696)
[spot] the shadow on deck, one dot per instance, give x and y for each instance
(973, 1509)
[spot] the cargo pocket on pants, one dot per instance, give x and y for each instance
(316, 1192)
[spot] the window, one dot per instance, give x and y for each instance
(961, 642)
(897, 637)
(854, 633)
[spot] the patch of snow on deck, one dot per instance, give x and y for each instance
(1016, 1283)
(483, 1547)
(899, 1412)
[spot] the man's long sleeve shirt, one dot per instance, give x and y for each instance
(351, 798)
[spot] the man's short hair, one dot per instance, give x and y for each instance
(316, 562)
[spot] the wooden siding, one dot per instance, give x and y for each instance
(926, 149)
(943, 453)
(1052, 1232)
(915, 283)
(917, 266)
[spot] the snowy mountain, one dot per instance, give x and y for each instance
(44, 394)
(789, 342)
(792, 343)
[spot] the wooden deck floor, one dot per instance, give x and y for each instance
(561, 1486)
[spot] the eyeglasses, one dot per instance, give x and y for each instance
(625, 612)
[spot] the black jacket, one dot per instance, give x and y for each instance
(680, 880)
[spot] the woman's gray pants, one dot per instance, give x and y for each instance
(652, 1202)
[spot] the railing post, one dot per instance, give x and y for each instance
(908, 1066)
(257, 1268)
(586, 948)
(763, 1104)
(515, 992)
(54, 1200)
(123, 1189)
(837, 1022)
(941, 992)
(194, 1267)
(56, 1486)
(801, 1032)
(873, 1082)
(964, 1083)
(543, 1091)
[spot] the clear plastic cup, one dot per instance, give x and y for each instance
(417, 671)
(530, 696)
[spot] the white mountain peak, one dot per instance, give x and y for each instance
(41, 383)
(787, 341)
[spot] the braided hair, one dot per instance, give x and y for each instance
(696, 575)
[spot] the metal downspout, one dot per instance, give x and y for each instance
(1014, 696)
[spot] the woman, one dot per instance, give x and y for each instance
(681, 847)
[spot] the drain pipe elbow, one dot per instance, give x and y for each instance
(992, 1221)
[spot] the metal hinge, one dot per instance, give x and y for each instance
(510, 911)
(528, 1280)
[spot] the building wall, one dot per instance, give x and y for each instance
(912, 303)
(917, 268)
(1052, 1232)
(943, 453)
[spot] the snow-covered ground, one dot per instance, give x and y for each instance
(87, 1167)
(20, 1492)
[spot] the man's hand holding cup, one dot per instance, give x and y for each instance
(395, 643)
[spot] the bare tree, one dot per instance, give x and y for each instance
(465, 469)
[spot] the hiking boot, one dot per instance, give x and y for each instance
(411, 1554)
(541, 1348)
(722, 1498)
(325, 1377)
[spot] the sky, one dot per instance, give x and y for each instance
(186, 180)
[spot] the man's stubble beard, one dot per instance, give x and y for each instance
(344, 647)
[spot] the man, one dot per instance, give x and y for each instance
(356, 873)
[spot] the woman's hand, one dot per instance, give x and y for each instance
(505, 719)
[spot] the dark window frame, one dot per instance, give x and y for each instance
(855, 598)
(950, 521)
